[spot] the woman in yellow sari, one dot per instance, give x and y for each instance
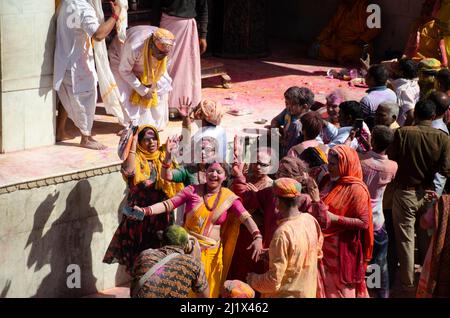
(142, 172)
(431, 38)
(213, 214)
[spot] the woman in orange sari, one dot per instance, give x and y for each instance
(435, 277)
(212, 214)
(347, 35)
(344, 212)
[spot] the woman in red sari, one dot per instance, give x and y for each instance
(343, 210)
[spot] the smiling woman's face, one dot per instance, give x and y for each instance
(215, 175)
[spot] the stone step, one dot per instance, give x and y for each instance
(116, 292)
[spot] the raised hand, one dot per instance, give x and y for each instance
(116, 8)
(238, 166)
(135, 142)
(312, 189)
(251, 187)
(184, 106)
(237, 149)
(172, 144)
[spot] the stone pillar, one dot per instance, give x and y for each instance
(27, 101)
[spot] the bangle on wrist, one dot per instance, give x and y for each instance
(148, 210)
(256, 234)
(259, 236)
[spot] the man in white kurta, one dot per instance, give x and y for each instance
(127, 65)
(75, 78)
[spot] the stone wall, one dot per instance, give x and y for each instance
(27, 101)
(50, 224)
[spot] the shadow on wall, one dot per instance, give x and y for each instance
(6, 288)
(47, 66)
(67, 242)
(45, 86)
(122, 278)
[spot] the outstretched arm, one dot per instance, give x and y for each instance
(167, 205)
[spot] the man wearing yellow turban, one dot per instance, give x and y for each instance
(140, 68)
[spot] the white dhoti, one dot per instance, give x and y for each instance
(138, 115)
(130, 56)
(80, 107)
(185, 66)
(156, 116)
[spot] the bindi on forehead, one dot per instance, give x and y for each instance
(150, 134)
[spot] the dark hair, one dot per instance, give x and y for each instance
(351, 108)
(175, 235)
(425, 109)
(379, 74)
(312, 157)
(382, 137)
(440, 100)
(408, 68)
(291, 167)
(299, 95)
(312, 124)
(443, 78)
(288, 202)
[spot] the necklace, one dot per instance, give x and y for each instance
(216, 201)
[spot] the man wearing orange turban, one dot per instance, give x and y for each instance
(294, 251)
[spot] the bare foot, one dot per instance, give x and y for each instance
(91, 143)
(365, 62)
(61, 136)
(121, 132)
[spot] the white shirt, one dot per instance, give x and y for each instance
(131, 65)
(338, 136)
(76, 24)
(408, 94)
(439, 180)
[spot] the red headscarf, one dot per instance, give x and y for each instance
(349, 198)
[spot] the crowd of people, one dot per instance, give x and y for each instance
(355, 191)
